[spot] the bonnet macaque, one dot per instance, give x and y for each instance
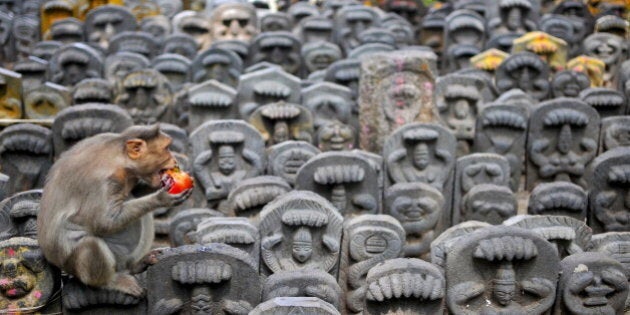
(89, 224)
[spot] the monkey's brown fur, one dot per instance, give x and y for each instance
(88, 225)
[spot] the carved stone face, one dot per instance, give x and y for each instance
(335, 137)
(147, 95)
(234, 21)
(195, 25)
(73, 63)
(227, 160)
(489, 203)
(570, 129)
(350, 22)
(569, 83)
(26, 32)
(610, 197)
(592, 283)
(46, 101)
(119, 65)
(525, 71)
(281, 48)
(217, 64)
(10, 94)
(159, 26)
(617, 134)
(318, 56)
(606, 47)
(102, 23)
(418, 208)
(316, 29)
(27, 279)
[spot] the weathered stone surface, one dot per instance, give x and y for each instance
(591, 283)
(300, 230)
(608, 102)
(367, 241)
(350, 21)
(249, 196)
(615, 245)
(93, 91)
(286, 158)
(224, 153)
(562, 141)
(174, 67)
(420, 209)
(281, 48)
(347, 180)
(473, 170)
(303, 283)
(234, 21)
(266, 86)
(609, 48)
(615, 133)
(288, 305)
(609, 185)
(25, 155)
(502, 128)
(46, 100)
(76, 123)
(10, 94)
(558, 198)
(550, 49)
(525, 71)
(569, 236)
(211, 100)
(458, 100)
(236, 232)
(183, 225)
(102, 23)
(335, 136)
(137, 42)
(441, 245)
(74, 62)
(405, 286)
(569, 83)
(488, 203)
(20, 211)
(28, 281)
(219, 64)
(281, 121)
(501, 270)
(147, 95)
(396, 89)
(119, 65)
(212, 279)
(81, 299)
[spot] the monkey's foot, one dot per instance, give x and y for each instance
(126, 284)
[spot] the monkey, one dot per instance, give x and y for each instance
(88, 225)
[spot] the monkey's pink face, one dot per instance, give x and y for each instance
(157, 160)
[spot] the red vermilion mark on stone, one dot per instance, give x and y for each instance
(37, 294)
(10, 252)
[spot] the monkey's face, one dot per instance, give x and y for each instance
(153, 159)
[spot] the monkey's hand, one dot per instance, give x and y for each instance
(149, 259)
(167, 200)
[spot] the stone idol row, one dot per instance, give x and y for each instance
(561, 140)
(303, 256)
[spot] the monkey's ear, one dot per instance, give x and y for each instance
(136, 148)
